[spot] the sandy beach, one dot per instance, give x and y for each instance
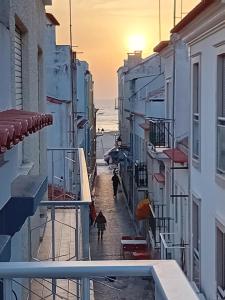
(105, 142)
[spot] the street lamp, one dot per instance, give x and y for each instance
(119, 141)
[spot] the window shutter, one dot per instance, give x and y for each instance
(196, 88)
(222, 104)
(18, 69)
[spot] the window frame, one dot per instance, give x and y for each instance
(196, 253)
(220, 118)
(196, 113)
(219, 226)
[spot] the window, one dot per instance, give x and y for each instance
(18, 69)
(221, 116)
(220, 260)
(196, 242)
(196, 111)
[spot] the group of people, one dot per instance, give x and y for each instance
(100, 219)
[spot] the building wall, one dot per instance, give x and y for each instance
(204, 180)
(29, 16)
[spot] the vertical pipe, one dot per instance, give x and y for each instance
(174, 12)
(160, 22)
(64, 175)
(85, 245)
(53, 249)
(181, 9)
(85, 289)
(85, 230)
(29, 249)
(77, 247)
(52, 191)
(133, 170)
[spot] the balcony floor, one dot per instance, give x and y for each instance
(118, 224)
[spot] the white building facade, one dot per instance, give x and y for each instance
(204, 32)
(169, 157)
(23, 171)
(141, 97)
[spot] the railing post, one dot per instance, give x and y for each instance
(85, 283)
(53, 249)
(7, 289)
(85, 231)
(77, 245)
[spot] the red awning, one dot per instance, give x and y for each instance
(159, 177)
(176, 155)
(145, 126)
(16, 124)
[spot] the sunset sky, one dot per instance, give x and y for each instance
(103, 30)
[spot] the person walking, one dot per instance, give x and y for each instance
(92, 212)
(116, 181)
(101, 223)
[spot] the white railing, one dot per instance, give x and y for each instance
(172, 249)
(68, 165)
(170, 282)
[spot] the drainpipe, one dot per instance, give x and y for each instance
(189, 188)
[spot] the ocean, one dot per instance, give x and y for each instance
(107, 115)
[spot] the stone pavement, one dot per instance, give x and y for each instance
(118, 224)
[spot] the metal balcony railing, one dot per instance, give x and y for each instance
(167, 287)
(170, 248)
(159, 133)
(141, 174)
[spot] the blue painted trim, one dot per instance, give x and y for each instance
(27, 192)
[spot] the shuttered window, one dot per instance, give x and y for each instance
(196, 111)
(18, 69)
(221, 116)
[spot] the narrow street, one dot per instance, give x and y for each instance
(118, 224)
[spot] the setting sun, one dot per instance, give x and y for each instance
(136, 42)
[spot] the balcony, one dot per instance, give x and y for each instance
(167, 287)
(171, 248)
(55, 276)
(159, 133)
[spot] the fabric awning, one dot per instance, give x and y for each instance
(159, 177)
(5, 248)
(176, 155)
(27, 192)
(16, 124)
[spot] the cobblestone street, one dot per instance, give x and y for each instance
(118, 224)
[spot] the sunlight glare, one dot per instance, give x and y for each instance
(136, 43)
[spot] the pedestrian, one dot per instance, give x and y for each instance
(116, 181)
(92, 212)
(101, 223)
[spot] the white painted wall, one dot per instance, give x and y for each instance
(30, 17)
(206, 41)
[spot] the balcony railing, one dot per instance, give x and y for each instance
(167, 287)
(141, 174)
(159, 134)
(171, 248)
